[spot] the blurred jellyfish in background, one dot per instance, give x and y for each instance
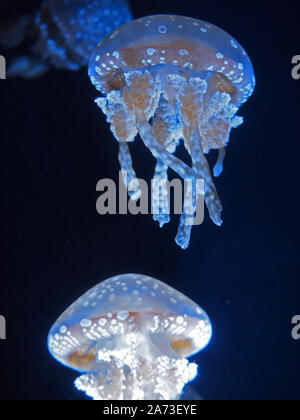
(129, 336)
(170, 78)
(64, 32)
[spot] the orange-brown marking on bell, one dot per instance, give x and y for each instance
(181, 344)
(117, 81)
(82, 359)
(222, 84)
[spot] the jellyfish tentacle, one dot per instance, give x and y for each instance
(201, 166)
(218, 168)
(183, 234)
(137, 101)
(148, 137)
(165, 127)
(167, 124)
(187, 219)
(130, 180)
(138, 367)
(184, 229)
(160, 197)
(191, 94)
(152, 381)
(141, 96)
(190, 206)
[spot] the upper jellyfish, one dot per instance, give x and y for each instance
(172, 78)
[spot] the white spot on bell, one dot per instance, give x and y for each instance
(150, 51)
(85, 323)
(123, 315)
(162, 29)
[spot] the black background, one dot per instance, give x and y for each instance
(56, 145)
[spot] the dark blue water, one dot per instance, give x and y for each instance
(56, 145)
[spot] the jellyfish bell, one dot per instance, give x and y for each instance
(170, 78)
(129, 336)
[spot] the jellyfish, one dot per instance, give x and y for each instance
(64, 32)
(129, 337)
(172, 79)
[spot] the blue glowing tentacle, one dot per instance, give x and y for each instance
(130, 180)
(160, 198)
(190, 205)
(185, 224)
(183, 234)
(183, 170)
(202, 169)
(148, 137)
(218, 168)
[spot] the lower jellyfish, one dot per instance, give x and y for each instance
(172, 78)
(130, 337)
(64, 32)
